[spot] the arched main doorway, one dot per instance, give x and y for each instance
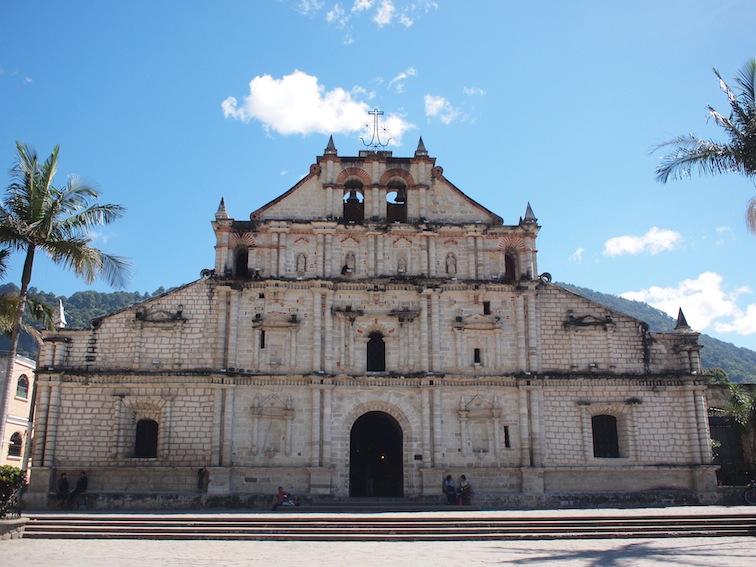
(375, 457)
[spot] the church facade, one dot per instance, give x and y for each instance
(366, 333)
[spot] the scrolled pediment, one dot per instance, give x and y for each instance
(477, 322)
(588, 321)
(160, 317)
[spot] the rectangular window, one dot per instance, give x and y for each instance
(262, 339)
(486, 308)
(477, 357)
(506, 437)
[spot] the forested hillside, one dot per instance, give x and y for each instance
(83, 306)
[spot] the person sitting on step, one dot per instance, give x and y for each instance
(283, 498)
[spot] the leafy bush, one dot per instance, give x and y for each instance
(11, 479)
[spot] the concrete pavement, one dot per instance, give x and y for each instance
(719, 552)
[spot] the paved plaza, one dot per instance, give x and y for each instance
(709, 552)
(690, 551)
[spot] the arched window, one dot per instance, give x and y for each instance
(396, 207)
(241, 259)
(376, 353)
(146, 443)
(354, 205)
(16, 444)
(22, 387)
(605, 438)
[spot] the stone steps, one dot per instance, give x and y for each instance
(382, 527)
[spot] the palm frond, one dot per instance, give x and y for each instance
(9, 310)
(690, 153)
(746, 78)
(751, 216)
(4, 253)
(40, 311)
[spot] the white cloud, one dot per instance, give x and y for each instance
(577, 255)
(724, 234)
(385, 13)
(382, 12)
(438, 106)
(654, 241)
(307, 7)
(362, 5)
(405, 20)
(298, 104)
(101, 238)
(337, 15)
(743, 325)
(705, 304)
(473, 91)
(398, 82)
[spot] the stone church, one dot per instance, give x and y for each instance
(366, 333)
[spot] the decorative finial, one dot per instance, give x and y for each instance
(530, 218)
(221, 212)
(375, 140)
(421, 151)
(60, 316)
(682, 324)
(331, 148)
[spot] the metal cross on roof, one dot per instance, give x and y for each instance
(375, 140)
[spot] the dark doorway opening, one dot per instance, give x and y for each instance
(146, 439)
(605, 438)
(728, 453)
(376, 353)
(240, 262)
(509, 268)
(375, 461)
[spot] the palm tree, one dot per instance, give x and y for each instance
(37, 216)
(9, 307)
(738, 155)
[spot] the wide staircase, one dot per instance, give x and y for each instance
(451, 525)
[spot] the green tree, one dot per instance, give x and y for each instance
(38, 216)
(737, 155)
(11, 479)
(743, 409)
(716, 375)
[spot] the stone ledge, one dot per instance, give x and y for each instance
(12, 529)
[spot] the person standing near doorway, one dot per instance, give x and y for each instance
(450, 490)
(465, 491)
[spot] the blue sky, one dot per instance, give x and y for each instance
(169, 106)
